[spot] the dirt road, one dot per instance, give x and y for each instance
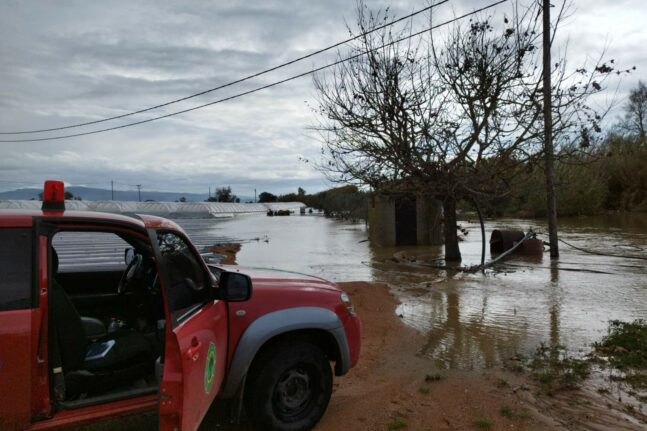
(394, 388)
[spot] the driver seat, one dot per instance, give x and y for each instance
(122, 357)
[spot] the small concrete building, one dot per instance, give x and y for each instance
(404, 219)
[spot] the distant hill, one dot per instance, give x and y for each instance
(94, 194)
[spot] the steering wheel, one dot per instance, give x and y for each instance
(132, 270)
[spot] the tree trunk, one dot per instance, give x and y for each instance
(452, 251)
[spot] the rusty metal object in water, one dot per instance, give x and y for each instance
(503, 240)
(532, 247)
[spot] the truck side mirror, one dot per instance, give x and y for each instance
(235, 287)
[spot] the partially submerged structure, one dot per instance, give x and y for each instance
(404, 219)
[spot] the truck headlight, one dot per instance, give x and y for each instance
(347, 302)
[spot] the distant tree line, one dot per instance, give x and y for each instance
(347, 202)
(611, 176)
(69, 196)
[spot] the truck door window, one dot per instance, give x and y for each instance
(187, 290)
(89, 251)
(15, 269)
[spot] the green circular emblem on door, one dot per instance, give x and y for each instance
(210, 368)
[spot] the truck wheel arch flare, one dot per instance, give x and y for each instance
(276, 323)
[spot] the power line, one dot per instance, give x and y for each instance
(238, 81)
(257, 89)
(584, 250)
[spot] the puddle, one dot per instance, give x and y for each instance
(474, 321)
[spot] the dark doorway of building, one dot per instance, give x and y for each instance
(405, 221)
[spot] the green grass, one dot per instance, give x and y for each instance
(510, 413)
(516, 364)
(398, 424)
(483, 423)
(502, 383)
(545, 377)
(506, 411)
(433, 377)
(630, 409)
(625, 344)
(556, 370)
(636, 380)
(424, 389)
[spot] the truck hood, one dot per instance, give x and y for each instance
(273, 277)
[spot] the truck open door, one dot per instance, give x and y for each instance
(196, 334)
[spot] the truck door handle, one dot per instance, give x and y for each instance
(193, 352)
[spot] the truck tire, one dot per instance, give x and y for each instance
(289, 387)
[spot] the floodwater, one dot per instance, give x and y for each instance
(470, 321)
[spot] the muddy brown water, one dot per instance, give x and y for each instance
(471, 321)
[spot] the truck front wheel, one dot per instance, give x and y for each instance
(289, 387)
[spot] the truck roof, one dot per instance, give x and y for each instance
(25, 218)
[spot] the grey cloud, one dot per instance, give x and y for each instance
(75, 61)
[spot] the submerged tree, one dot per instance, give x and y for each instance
(450, 120)
(223, 194)
(267, 197)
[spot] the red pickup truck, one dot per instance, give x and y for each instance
(160, 331)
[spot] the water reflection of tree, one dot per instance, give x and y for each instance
(555, 303)
(472, 343)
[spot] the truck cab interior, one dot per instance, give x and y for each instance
(106, 318)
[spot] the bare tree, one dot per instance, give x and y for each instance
(451, 116)
(636, 112)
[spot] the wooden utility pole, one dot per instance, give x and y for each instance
(548, 137)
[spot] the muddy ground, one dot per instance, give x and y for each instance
(391, 387)
(395, 388)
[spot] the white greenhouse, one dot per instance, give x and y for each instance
(164, 209)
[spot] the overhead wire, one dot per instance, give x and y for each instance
(238, 81)
(257, 89)
(598, 253)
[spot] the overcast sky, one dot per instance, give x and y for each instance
(64, 62)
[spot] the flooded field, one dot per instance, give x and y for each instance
(442, 368)
(470, 321)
